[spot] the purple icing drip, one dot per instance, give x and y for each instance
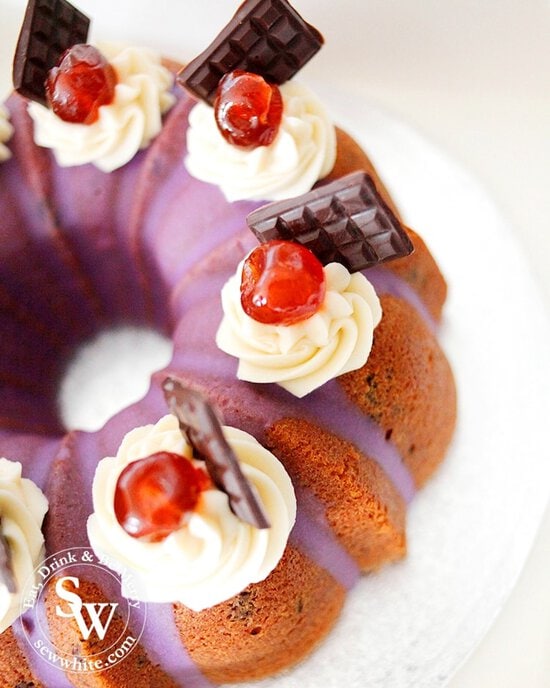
(164, 645)
(196, 352)
(138, 257)
(314, 537)
(387, 282)
(335, 411)
(48, 674)
(160, 638)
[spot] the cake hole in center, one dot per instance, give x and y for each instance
(108, 373)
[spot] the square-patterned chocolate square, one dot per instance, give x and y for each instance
(346, 221)
(50, 27)
(267, 37)
(202, 429)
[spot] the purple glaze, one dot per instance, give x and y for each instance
(163, 643)
(314, 537)
(80, 249)
(387, 282)
(43, 267)
(46, 673)
(335, 411)
(35, 452)
(71, 504)
(195, 352)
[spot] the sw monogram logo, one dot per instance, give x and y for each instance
(96, 612)
(86, 620)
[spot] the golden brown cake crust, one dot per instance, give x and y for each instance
(134, 671)
(266, 628)
(362, 505)
(15, 672)
(273, 624)
(407, 387)
(419, 269)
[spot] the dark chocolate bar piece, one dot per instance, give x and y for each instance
(345, 221)
(202, 428)
(6, 570)
(50, 27)
(267, 37)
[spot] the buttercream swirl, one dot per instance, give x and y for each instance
(22, 510)
(128, 124)
(303, 151)
(305, 355)
(214, 555)
(6, 130)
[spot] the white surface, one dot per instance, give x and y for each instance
(475, 76)
(470, 530)
(109, 373)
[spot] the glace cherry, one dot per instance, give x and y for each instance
(82, 82)
(282, 283)
(153, 494)
(248, 110)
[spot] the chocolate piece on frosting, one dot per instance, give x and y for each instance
(50, 27)
(267, 37)
(202, 428)
(6, 570)
(346, 221)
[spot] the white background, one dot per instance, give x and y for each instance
(474, 77)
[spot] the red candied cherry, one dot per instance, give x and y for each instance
(282, 283)
(82, 81)
(247, 109)
(153, 494)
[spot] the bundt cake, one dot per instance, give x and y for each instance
(112, 234)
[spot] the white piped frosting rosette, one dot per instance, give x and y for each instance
(6, 131)
(22, 510)
(303, 356)
(303, 151)
(123, 127)
(213, 555)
